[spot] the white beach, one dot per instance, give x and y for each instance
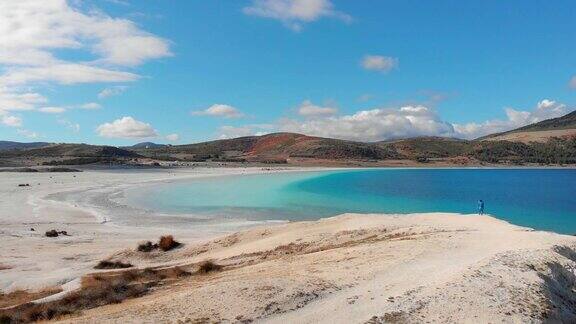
(346, 269)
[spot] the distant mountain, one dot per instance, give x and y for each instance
(65, 154)
(565, 122)
(561, 127)
(298, 149)
(146, 145)
(301, 149)
(71, 150)
(7, 145)
(273, 148)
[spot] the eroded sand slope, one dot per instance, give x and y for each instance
(365, 269)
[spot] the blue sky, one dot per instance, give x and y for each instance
(121, 71)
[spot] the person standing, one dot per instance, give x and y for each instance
(481, 207)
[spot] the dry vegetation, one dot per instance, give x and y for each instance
(21, 296)
(106, 264)
(96, 290)
(208, 266)
(165, 243)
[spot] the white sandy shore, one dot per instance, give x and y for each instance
(441, 268)
(36, 261)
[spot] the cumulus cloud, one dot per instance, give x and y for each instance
(379, 63)
(52, 110)
(111, 91)
(126, 127)
(219, 110)
(226, 132)
(295, 13)
(374, 125)
(414, 120)
(11, 121)
(545, 109)
(173, 137)
(33, 33)
(308, 109)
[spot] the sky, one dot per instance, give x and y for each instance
(120, 72)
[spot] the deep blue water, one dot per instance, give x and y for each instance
(540, 198)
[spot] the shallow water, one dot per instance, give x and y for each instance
(539, 198)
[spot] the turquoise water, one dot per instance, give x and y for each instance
(540, 198)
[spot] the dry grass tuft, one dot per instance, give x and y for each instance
(168, 243)
(208, 266)
(105, 264)
(95, 291)
(147, 247)
(21, 296)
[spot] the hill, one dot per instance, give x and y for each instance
(561, 127)
(64, 154)
(273, 148)
(7, 145)
(548, 142)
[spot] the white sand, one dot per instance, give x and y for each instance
(37, 261)
(440, 268)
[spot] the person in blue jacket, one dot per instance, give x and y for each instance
(481, 207)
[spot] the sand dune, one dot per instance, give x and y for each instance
(367, 269)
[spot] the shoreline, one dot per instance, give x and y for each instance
(89, 226)
(65, 201)
(367, 268)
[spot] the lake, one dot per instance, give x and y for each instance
(539, 198)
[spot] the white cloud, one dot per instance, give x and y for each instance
(32, 30)
(308, 109)
(27, 133)
(173, 137)
(33, 34)
(52, 110)
(112, 91)
(572, 83)
(295, 13)
(379, 63)
(374, 125)
(64, 74)
(126, 127)
(91, 106)
(219, 110)
(11, 121)
(415, 120)
(75, 127)
(13, 99)
(545, 109)
(226, 132)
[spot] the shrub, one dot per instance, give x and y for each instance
(168, 243)
(98, 291)
(51, 233)
(55, 233)
(112, 265)
(208, 266)
(147, 246)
